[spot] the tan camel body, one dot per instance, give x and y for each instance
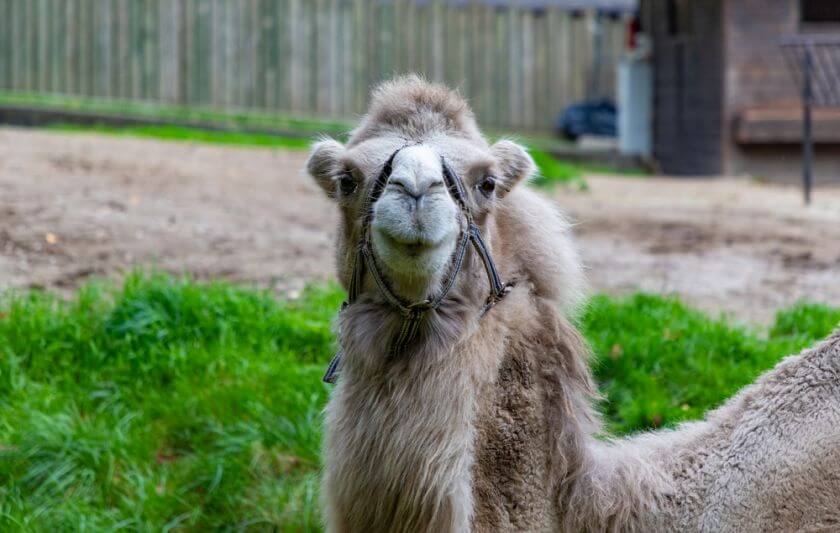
(487, 423)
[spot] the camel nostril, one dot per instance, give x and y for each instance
(436, 185)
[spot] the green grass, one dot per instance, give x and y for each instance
(554, 171)
(168, 404)
(162, 404)
(659, 362)
(187, 134)
(243, 119)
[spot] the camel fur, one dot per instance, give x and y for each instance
(489, 424)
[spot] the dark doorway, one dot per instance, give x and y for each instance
(688, 85)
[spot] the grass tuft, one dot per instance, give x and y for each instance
(553, 171)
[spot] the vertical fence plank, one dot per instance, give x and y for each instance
(437, 36)
(541, 72)
(397, 29)
(229, 54)
(515, 81)
(578, 51)
(30, 54)
(103, 64)
(474, 56)
(135, 50)
(253, 52)
(165, 50)
(254, 38)
(153, 56)
(219, 37)
(529, 69)
(170, 51)
(268, 53)
(70, 46)
(239, 68)
(26, 45)
(265, 82)
(372, 43)
(322, 53)
(14, 39)
(204, 59)
(293, 26)
(4, 44)
(310, 57)
(42, 39)
(188, 61)
(284, 50)
(359, 76)
(11, 69)
(346, 76)
(387, 45)
(122, 46)
(83, 47)
(8, 40)
(59, 29)
(334, 68)
(500, 53)
(422, 38)
(19, 44)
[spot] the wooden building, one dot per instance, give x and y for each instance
(725, 98)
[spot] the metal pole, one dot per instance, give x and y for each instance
(807, 137)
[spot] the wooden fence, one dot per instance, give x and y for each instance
(518, 66)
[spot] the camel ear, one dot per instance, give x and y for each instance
(515, 163)
(323, 164)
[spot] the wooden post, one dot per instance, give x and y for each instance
(807, 137)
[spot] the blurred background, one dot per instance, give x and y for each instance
(166, 269)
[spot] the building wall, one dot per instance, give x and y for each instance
(757, 75)
(688, 84)
(756, 71)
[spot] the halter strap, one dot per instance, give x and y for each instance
(414, 312)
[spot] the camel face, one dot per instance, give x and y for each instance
(415, 224)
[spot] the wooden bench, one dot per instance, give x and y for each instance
(782, 124)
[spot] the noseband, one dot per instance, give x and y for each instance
(413, 312)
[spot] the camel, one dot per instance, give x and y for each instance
(477, 414)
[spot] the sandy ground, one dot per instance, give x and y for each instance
(78, 206)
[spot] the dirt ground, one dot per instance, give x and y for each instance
(77, 206)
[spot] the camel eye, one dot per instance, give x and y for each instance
(487, 186)
(347, 184)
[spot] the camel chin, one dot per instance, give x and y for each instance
(413, 259)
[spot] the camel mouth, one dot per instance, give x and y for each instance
(411, 246)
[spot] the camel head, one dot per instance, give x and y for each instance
(416, 223)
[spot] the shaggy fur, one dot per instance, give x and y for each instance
(489, 424)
